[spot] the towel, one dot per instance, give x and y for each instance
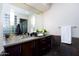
(66, 34)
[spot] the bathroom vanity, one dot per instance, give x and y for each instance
(29, 46)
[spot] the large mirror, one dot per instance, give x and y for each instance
(20, 21)
(15, 26)
(16, 20)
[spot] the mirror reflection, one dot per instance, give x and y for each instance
(18, 21)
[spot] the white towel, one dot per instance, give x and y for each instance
(66, 34)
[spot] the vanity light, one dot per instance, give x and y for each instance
(11, 17)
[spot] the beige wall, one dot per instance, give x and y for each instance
(62, 14)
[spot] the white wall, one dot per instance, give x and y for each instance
(62, 14)
(39, 21)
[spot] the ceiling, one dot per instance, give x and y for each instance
(34, 7)
(41, 7)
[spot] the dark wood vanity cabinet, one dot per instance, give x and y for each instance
(27, 48)
(35, 47)
(14, 50)
(42, 46)
(23, 49)
(45, 45)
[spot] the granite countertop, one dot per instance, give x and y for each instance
(18, 40)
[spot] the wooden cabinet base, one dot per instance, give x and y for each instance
(26, 49)
(36, 47)
(13, 50)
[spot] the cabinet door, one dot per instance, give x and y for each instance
(45, 45)
(26, 49)
(36, 47)
(13, 50)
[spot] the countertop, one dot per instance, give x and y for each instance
(19, 39)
